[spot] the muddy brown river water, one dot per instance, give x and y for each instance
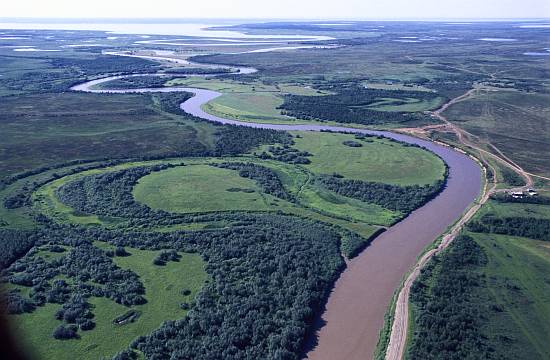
(348, 328)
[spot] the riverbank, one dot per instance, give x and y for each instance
(355, 309)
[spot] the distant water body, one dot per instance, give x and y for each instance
(182, 28)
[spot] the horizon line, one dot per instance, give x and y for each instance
(342, 19)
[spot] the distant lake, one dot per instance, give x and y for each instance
(149, 28)
(497, 39)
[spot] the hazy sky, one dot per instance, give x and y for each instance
(297, 9)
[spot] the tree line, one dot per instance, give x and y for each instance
(533, 228)
(448, 310)
(351, 105)
(267, 179)
(393, 197)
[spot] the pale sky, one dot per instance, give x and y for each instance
(270, 9)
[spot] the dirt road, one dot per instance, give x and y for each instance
(398, 337)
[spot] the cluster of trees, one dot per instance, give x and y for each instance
(105, 64)
(351, 105)
(398, 198)
(109, 193)
(233, 140)
(533, 228)
(352, 143)
(170, 102)
(136, 82)
(65, 332)
(69, 71)
(90, 270)
(76, 311)
(448, 311)
(266, 178)
(353, 243)
(287, 154)
(93, 273)
(453, 85)
(41, 81)
(506, 198)
(14, 244)
(22, 196)
(199, 71)
(511, 177)
(289, 266)
(165, 256)
(13, 178)
(14, 303)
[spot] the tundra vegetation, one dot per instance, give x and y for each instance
(131, 229)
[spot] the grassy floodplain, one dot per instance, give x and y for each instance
(200, 188)
(242, 101)
(185, 189)
(163, 286)
(48, 129)
(376, 160)
(44, 124)
(518, 286)
(493, 115)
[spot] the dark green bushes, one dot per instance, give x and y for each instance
(505, 198)
(533, 228)
(393, 197)
(351, 105)
(353, 243)
(233, 140)
(512, 178)
(448, 314)
(286, 154)
(266, 178)
(14, 244)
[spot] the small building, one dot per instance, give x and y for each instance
(531, 192)
(517, 194)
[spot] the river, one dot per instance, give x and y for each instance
(355, 310)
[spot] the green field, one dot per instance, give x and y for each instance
(199, 188)
(377, 160)
(254, 101)
(411, 104)
(517, 273)
(45, 129)
(246, 106)
(163, 285)
(512, 290)
(515, 209)
(515, 122)
(256, 251)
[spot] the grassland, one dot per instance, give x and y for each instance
(517, 283)
(200, 188)
(163, 285)
(246, 101)
(410, 104)
(512, 289)
(515, 210)
(45, 125)
(377, 160)
(515, 122)
(46, 129)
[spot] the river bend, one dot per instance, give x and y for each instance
(355, 309)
